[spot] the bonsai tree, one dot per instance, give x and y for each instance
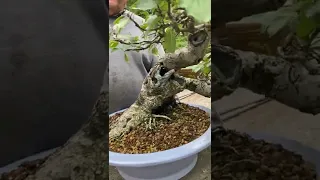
(166, 20)
(85, 155)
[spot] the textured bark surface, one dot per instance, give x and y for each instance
(162, 83)
(287, 82)
(190, 55)
(279, 67)
(84, 156)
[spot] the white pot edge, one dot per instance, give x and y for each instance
(162, 157)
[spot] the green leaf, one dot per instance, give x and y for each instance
(144, 26)
(114, 49)
(273, 21)
(124, 36)
(306, 26)
(113, 43)
(182, 41)
(206, 70)
(118, 20)
(196, 68)
(120, 23)
(199, 9)
(163, 5)
(206, 57)
(145, 4)
(126, 58)
(134, 39)
(169, 40)
(152, 22)
(154, 51)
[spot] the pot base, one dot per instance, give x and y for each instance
(169, 171)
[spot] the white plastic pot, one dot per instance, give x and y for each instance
(171, 164)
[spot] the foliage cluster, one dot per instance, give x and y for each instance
(166, 22)
(301, 17)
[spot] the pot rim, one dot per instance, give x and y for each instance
(162, 157)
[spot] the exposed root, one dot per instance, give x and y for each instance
(152, 124)
(161, 116)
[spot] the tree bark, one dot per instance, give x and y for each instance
(202, 87)
(287, 82)
(85, 155)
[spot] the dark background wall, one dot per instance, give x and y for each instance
(53, 57)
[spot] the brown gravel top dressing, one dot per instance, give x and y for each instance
(187, 124)
(25, 169)
(238, 156)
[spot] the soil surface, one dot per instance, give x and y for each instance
(187, 123)
(25, 169)
(237, 156)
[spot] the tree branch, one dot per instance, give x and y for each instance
(190, 55)
(287, 82)
(202, 87)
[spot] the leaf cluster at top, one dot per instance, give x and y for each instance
(171, 40)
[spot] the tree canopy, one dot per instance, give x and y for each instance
(167, 22)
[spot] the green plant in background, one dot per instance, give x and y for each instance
(302, 18)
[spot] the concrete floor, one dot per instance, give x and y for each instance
(272, 118)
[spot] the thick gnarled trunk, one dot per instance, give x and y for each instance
(155, 91)
(85, 155)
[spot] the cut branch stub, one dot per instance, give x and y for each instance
(190, 55)
(198, 38)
